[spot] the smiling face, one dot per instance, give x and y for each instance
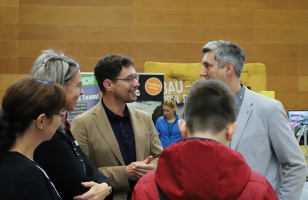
(123, 90)
(73, 90)
(210, 68)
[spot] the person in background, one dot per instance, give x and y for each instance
(30, 115)
(116, 137)
(167, 125)
(201, 166)
(263, 135)
(69, 168)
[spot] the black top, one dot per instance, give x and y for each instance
(67, 165)
(124, 133)
(21, 178)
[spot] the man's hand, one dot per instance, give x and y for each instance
(136, 170)
(96, 191)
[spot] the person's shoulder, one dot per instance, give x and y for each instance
(161, 118)
(259, 98)
(258, 187)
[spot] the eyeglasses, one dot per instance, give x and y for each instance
(130, 80)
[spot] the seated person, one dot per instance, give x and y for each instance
(202, 166)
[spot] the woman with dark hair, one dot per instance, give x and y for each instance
(30, 115)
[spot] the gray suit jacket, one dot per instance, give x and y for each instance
(95, 136)
(264, 137)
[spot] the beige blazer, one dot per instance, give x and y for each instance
(95, 136)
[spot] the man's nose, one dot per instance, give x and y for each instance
(203, 72)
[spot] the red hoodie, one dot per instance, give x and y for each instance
(196, 168)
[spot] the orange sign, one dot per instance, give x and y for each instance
(153, 86)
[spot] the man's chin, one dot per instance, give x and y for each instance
(131, 100)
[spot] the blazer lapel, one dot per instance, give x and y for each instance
(139, 133)
(102, 123)
(242, 119)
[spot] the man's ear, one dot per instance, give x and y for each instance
(230, 130)
(183, 128)
(230, 68)
(40, 121)
(107, 84)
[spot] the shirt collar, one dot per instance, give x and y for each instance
(111, 115)
(240, 96)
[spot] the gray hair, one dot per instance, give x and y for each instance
(226, 51)
(55, 66)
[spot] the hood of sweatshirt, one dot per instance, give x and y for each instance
(202, 169)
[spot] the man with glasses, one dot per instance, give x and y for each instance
(121, 141)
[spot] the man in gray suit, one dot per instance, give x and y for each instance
(121, 141)
(263, 135)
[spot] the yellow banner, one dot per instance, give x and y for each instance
(180, 76)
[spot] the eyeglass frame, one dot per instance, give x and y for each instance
(130, 80)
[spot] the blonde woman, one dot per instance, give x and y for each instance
(167, 125)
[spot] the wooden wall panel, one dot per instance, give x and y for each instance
(76, 49)
(9, 31)
(302, 101)
(9, 3)
(75, 32)
(288, 18)
(273, 32)
(293, 100)
(280, 66)
(5, 81)
(303, 83)
(302, 34)
(191, 33)
(281, 5)
(197, 4)
(9, 15)
(9, 65)
(302, 66)
(66, 15)
(276, 51)
(170, 50)
(191, 17)
(74, 3)
(269, 35)
(282, 83)
(9, 48)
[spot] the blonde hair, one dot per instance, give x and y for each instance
(170, 103)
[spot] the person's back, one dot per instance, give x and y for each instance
(202, 166)
(197, 168)
(21, 179)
